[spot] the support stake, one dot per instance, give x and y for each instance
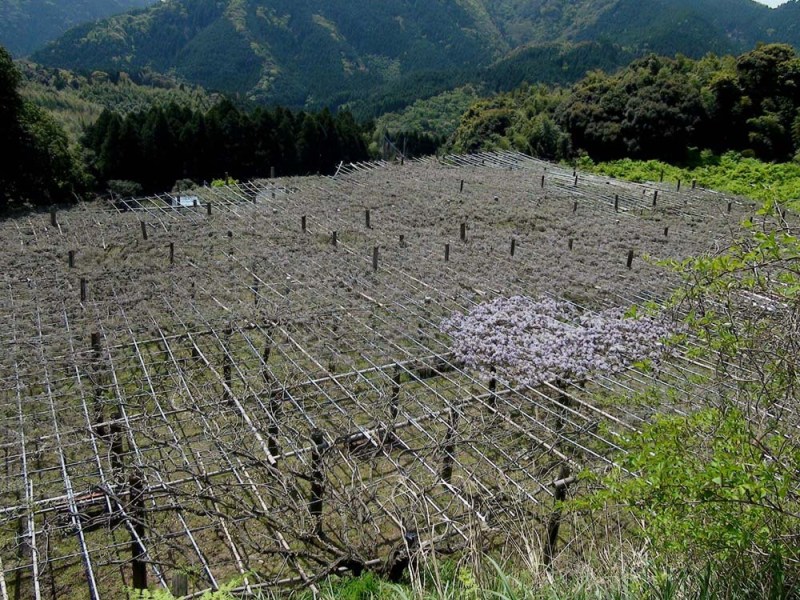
(449, 448)
(317, 480)
(138, 564)
(554, 523)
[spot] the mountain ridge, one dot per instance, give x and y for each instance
(26, 25)
(307, 52)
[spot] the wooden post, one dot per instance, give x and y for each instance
(402, 241)
(616, 202)
(117, 443)
(334, 239)
(367, 220)
(375, 259)
(543, 181)
(272, 172)
(394, 408)
(275, 409)
(661, 177)
(144, 230)
(96, 349)
(694, 183)
(71, 259)
(571, 242)
(53, 218)
(317, 480)
(576, 181)
(208, 208)
(226, 368)
(172, 253)
(630, 258)
(275, 400)
(513, 246)
(137, 511)
(99, 409)
(730, 207)
(554, 523)
(303, 224)
(463, 232)
(666, 231)
(462, 186)
(180, 585)
(449, 447)
(84, 287)
(655, 197)
(446, 252)
(575, 207)
(493, 388)
(679, 185)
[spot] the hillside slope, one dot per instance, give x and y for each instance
(27, 25)
(311, 52)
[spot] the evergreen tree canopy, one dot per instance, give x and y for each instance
(38, 165)
(158, 146)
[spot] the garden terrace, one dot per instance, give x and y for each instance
(256, 387)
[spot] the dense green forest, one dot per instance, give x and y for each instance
(656, 108)
(39, 165)
(26, 25)
(148, 149)
(160, 145)
(379, 57)
(76, 101)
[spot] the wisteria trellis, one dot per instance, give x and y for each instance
(529, 341)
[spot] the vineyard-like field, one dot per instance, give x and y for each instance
(255, 385)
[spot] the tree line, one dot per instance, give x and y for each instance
(149, 150)
(38, 164)
(656, 108)
(160, 145)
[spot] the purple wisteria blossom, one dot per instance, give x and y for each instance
(521, 340)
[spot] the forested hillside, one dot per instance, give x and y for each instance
(378, 57)
(27, 25)
(39, 164)
(157, 134)
(290, 52)
(154, 148)
(76, 101)
(657, 107)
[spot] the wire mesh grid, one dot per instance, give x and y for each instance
(255, 385)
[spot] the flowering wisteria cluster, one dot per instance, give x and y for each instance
(521, 340)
